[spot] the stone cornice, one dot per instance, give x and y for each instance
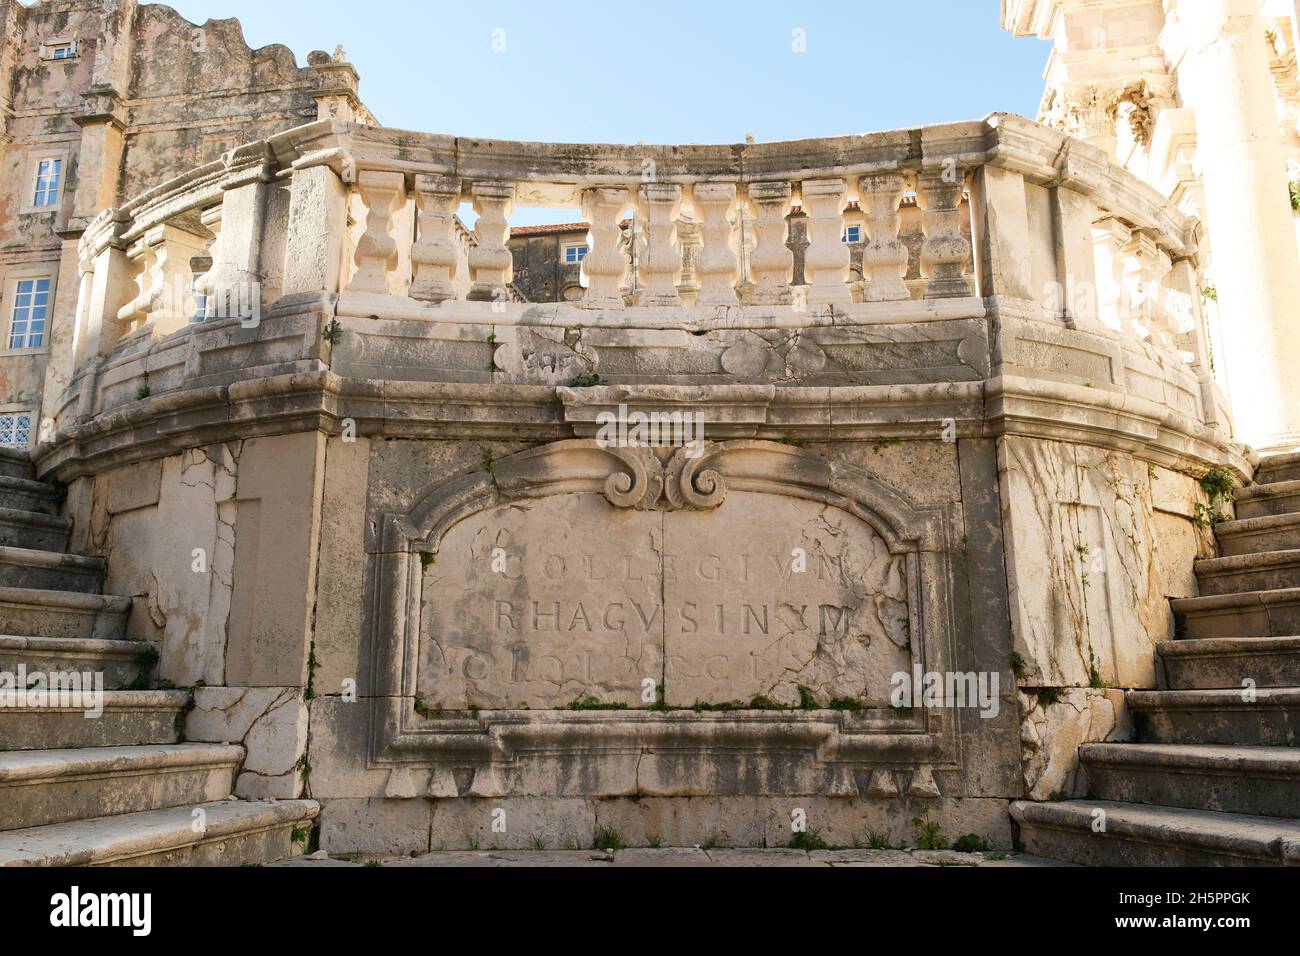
(322, 400)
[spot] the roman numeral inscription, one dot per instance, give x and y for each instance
(546, 602)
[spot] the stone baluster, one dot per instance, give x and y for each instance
(717, 264)
(376, 252)
(772, 263)
(490, 262)
(436, 250)
(1109, 238)
(691, 240)
(1148, 266)
(606, 263)
(884, 258)
(826, 263)
(140, 257)
(946, 250)
(166, 281)
(661, 266)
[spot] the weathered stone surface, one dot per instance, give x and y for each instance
(1051, 734)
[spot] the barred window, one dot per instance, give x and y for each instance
(15, 429)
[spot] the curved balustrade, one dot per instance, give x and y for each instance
(1072, 269)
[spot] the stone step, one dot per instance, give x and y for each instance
(121, 662)
(23, 494)
(1277, 498)
(1273, 613)
(1225, 662)
(233, 833)
(1253, 535)
(1139, 835)
(27, 529)
(62, 613)
(16, 464)
(40, 787)
(1265, 571)
(1272, 719)
(53, 570)
(1274, 468)
(127, 718)
(1261, 781)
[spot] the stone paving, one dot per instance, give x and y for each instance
(686, 856)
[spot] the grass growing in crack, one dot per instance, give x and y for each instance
(1017, 665)
(589, 702)
(585, 380)
(309, 692)
(877, 839)
(808, 840)
(333, 332)
(425, 711)
(490, 462)
(1095, 680)
(970, 843)
(539, 842)
(143, 392)
(303, 766)
(850, 704)
(472, 840)
(301, 836)
(607, 839)
(884, 443)
(1047, 696)
(655, 842)
(927, 833)
(806, 699)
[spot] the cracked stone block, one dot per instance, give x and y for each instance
(1051, 735)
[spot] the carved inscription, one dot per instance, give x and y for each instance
(541, 603)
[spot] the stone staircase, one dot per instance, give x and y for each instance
(120, 788)
(1215, 776)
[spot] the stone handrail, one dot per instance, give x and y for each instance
(1019, 224)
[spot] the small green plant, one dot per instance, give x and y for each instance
(1095, 680)
(301, 836)
(852, 705)
(1018, 667)
(178, 725)
(147, 658)
(1152, 474)
(878, 840)
(333, 332)
(1217, 483)
(806, 699)
(585, 380)
(425, 711)
(808, 840)
(303, 766)
(655, 842)
(995, 855)
(1293, 188)
(426, 560)
(1055, 796)
(309, 692)
(539, 842)
(490, 461)
(143, 392)
(1047, 696)
(927, 833)
(1210, 293)
(788, 439)
(472, 840)
(970, 843)
(1207, 517)
(492, 338)
(373, 863)
(884, 443)
(607, 839)
(588, 702)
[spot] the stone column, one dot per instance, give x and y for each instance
(490, 261)
(884, 260)
(1226, 79)
(376, 252)
(605, 265)
(826, 263)
(945, 250)
(771, 262)
(434, 254)
(661, 268)
(717, 265)
(318, 211)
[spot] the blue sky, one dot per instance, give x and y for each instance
(623, 71)
(663, 72)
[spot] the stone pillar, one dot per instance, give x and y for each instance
(232, 286)
(1226, 79)
(318, 215)
(772, 262)
(1002, 231)
(606, 264)
(826, 263)
(717, 265)
(376, 253)
(945, 250)
(490, 261)
(884, 258)
(434, 255)
(662, 266)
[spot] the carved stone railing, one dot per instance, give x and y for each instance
(1076, 271)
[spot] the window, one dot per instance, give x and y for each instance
(31, 308)
(15, 429)
(852, 233)
(574, 253)
(61, 51)
(49, 176)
